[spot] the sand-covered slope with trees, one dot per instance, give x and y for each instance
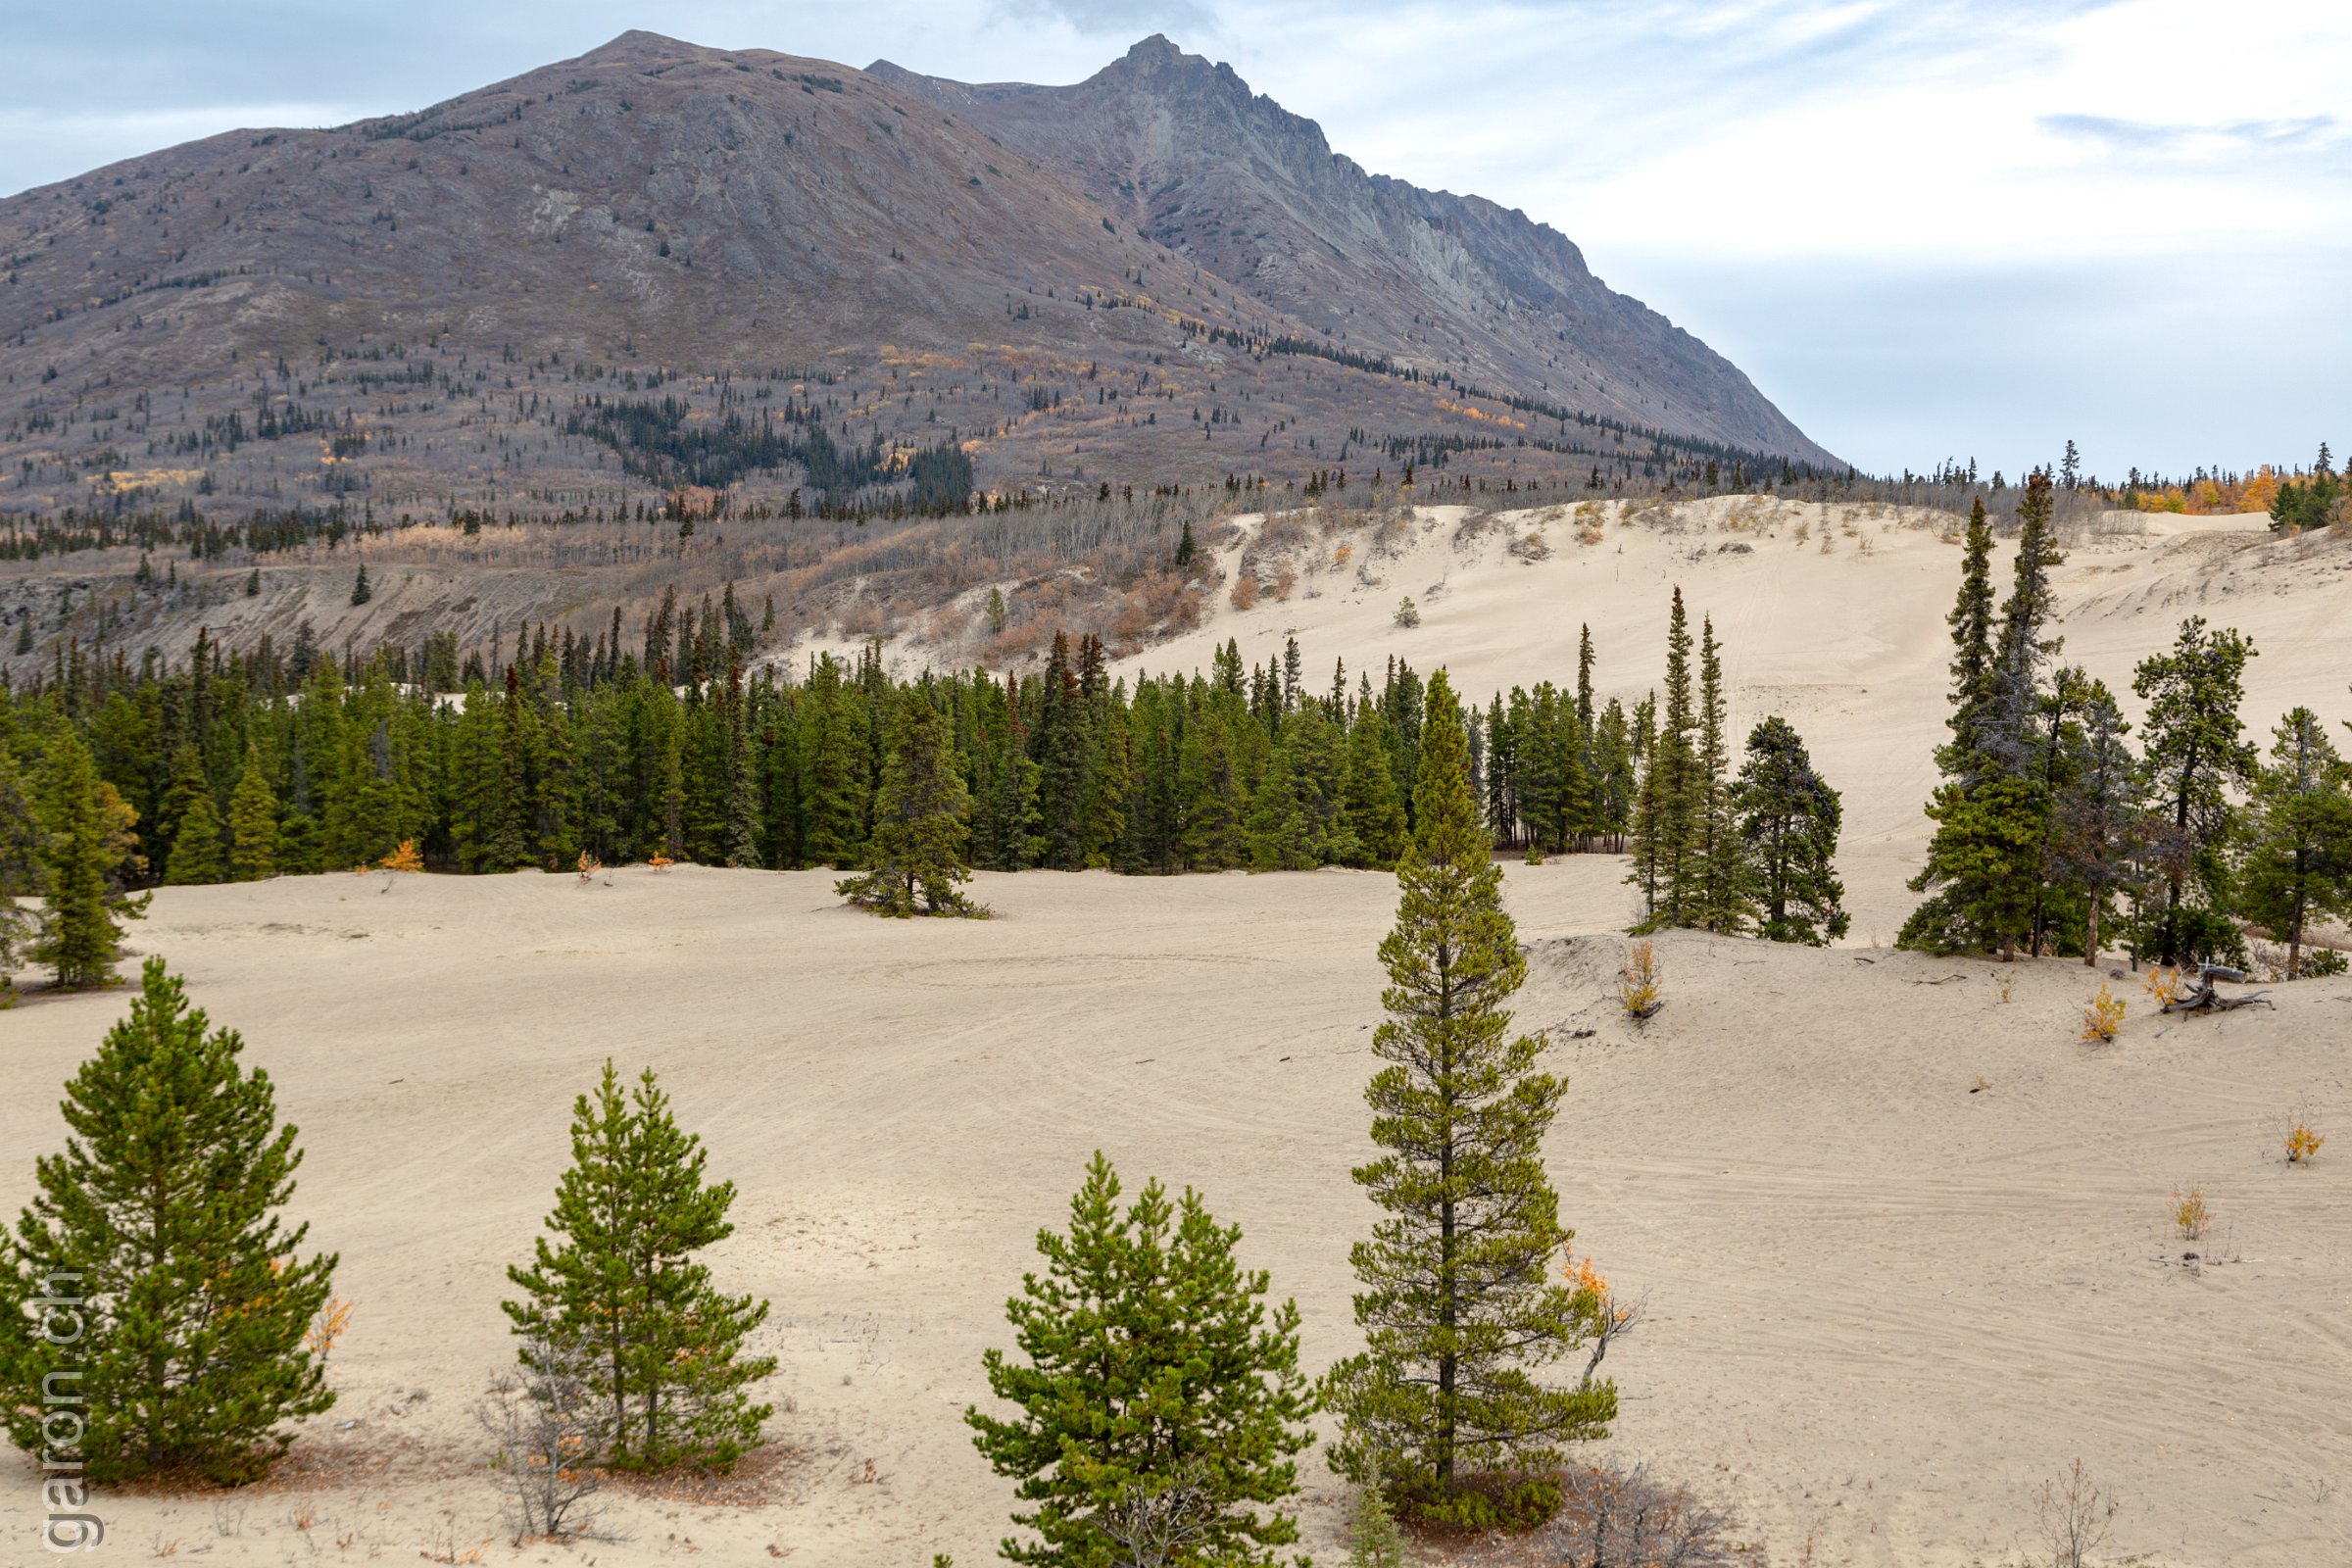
(1831, 616)
(1885, 1304)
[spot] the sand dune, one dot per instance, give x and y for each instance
(1831, 616)
(1885, 1308)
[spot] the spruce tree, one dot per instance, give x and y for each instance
(1983, 870)
(2099, 814)
(1788, 816)
(1726, 902)
(2296, 866)
(914, 860)
(1667, 816)
(1462, 1300)
(1375, 816)
(360, 592)
(621, 1289)
(86, 834)
(160, 1228)
(1156, 1393)
(187, 814)
(2193, 753)
(20, 869)
(253, 822)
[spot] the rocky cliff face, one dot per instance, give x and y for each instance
(1253, 193)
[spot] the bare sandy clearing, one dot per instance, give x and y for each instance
(1885, 1308)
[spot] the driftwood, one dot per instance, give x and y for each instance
(2205, 998)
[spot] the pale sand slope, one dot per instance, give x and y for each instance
(1884, 1307)
(1833, 616)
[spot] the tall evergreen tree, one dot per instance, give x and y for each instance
(87, 833)
(1788, 816)
(1667, 813)
(1460, 1305)
(2296, 866)
(1156, 1395)
(621, 1289)
(914, 860)
(253, 822)
(2098, 815)
(1983, 871)
(161, 1224)
(2193, 753)
(1726, 902)
(1375, 816)
(19, 868)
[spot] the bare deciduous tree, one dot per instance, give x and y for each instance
(2074, 1515)
(550, 1428)
(1616, 1516)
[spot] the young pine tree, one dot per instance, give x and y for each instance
(253, 822)
(1156, 1395)
(914, 860)
(2296, 866)
(621, 1289)
(162, 1217)
(86, 835)
(1461, 1302)
(1787, 818)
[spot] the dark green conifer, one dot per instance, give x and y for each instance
(2194, 752)
(914, 860)
(160, 1226)
(87, 842)
(1787, 818)
(1462, 1300)
(251, 822)
(621, 1289)
(1158, 1400)
(2296, 867)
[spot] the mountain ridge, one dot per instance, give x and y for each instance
(1155, 275)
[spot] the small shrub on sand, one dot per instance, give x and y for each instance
(2164, 986)
(2074, 1515)
(589, 865)
(1245, 592)
(2303, 1140)
(2102, 1015)
(1408, 613)
(404, 858)
(550, 1425)
(1621, 1515)
(2193, 1216)
(658, 861)
(1640, 987)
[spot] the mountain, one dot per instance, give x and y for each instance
(661, 265)
(1183, 152)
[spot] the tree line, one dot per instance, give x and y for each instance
(574, 750)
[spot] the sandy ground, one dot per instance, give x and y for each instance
(1885, 1306)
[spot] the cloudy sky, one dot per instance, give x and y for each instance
(1926, 228)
